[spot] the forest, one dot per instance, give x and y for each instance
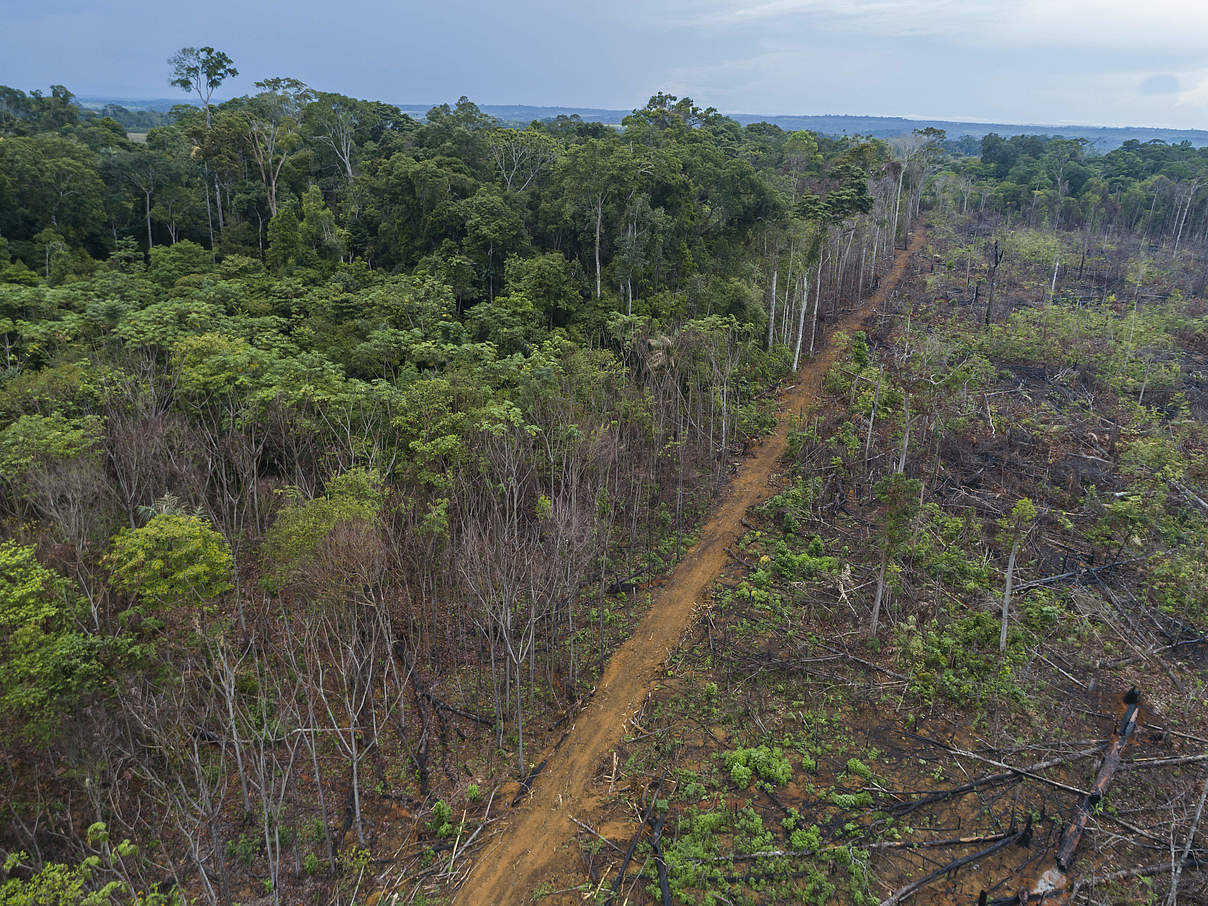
(340, 451)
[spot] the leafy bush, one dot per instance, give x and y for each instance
(353, 498)
(56, 884)
(849, 801)
(174, 558)
(33, 439)
(859, 768)
(810, 564)
(46, 663)
(244, 849)
(440, 821)
(958, 659)
(769, 764)
(942, 549)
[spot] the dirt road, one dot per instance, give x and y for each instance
(530, 846)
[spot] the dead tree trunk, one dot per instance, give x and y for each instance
(1056, 879)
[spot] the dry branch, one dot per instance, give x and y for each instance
(988, 780)
(1195, 826)
(1023, 837)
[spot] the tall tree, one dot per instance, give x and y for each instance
(201, 70)
(145, 171)
(272, 122)
(331, 120)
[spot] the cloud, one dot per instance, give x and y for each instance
(1159, 84)
(1122, 24)
(1196, 95)
(880, 16)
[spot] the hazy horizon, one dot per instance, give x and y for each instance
(149, 97)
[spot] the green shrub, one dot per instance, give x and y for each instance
(806, 839)
(174, 559)
(859, 768)
(958, 659)
(46, 664)
(244, 849)
(769, 764)
(849, 801)
(440, 821)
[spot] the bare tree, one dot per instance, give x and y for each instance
(520, 155)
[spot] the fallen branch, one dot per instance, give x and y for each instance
(988, 780)
(1165, 762)
(442, 705)
(952, 841)
(1195, 826)
(1080, 573)
(1190, 495)
(869, 664)
(1022, 772)
(595, 833)
(1023, 837)
(1169, 732)
(751, 857)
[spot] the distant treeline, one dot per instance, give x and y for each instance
(140, 114)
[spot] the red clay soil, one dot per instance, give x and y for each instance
(534, 845)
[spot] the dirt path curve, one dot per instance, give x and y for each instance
(527, 848)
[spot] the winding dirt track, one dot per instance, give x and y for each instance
(529, 847)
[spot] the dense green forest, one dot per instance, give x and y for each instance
(334, 444)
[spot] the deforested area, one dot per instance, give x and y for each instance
(961, 652)
(416, 508)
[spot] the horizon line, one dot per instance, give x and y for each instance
(963, 121)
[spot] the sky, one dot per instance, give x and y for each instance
(1095, 62)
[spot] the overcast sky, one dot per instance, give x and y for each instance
(1107, 62)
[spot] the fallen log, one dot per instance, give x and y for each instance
(1111, 761)
(659, 861)
(633, 844)
(1054, 882)
(527, 783)
(627, 585)
(737, 559)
